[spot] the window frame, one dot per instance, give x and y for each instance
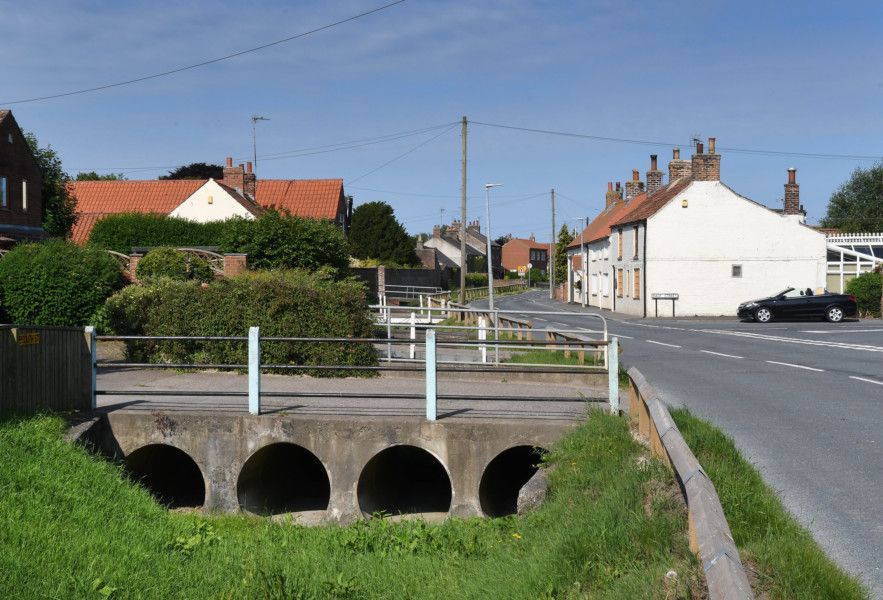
(636, 275)
(24, 195)
(619, 237)
(636, 237)
(4, 193)
(736, 271)
(619, 283)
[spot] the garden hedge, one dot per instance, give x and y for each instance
(281, 303)
(867, 289)
(168, 262)
(123, 232)
(56, 283)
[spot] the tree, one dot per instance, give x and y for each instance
(503, 239)
(196, 171)
(858, 204)
(375, 233)
(93, 176)
(59, 207)
(564, 238)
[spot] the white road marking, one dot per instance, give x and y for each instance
(721, 354)
(663, 344)
(838, 330)
(628, 337)
(790, 340)
(865, 379)
(775, 362)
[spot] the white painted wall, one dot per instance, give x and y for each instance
(209, 203)
(691, 251)
(451, 251)
(632, 300)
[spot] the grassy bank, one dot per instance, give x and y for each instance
(788, 562)
(72, 526)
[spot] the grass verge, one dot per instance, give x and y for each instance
(73, 526)
(786, 561)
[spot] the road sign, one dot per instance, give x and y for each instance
(665, 296)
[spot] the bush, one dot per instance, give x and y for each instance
(476, 280)
(56, 283)
(867, 289)
(132, 230)
(277, 241)
(174, 264)
(281, 303)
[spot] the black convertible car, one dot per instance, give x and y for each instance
(799, 304)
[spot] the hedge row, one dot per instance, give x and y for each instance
(272, 241)
(281, 303)
(174, 264)
(56, 283)
(867, 290)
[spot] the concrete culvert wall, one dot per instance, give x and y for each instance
(169, 473)
(504, 477)
(282, 478)
(404, 480)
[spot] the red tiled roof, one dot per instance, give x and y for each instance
(599, 228)
(654, 203)
(311, 198)
(152, 196)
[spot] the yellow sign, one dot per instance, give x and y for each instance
(29, 339)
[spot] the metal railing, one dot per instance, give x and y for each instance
(429, 364)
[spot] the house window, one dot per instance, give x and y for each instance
(9, 138)
(3, 193)
(737, 271)
(594, 284)
(636, 241)
(619, 283)
(628, 284)
(24, 195)
(619, 237)
(605, 284)
(637, 293)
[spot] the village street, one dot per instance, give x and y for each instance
(803, 401)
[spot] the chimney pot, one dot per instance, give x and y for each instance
(229, 161)
(676, 154)
(699, 148)
(618, 186)
(653, 162)
(609, 186)
(248, 167)
(792, 175)
(711, 142)
(635, 175)
(242, 167)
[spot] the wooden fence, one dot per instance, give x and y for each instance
(44, 369)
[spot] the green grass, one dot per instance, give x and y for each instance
(72, 526)
(789, 562)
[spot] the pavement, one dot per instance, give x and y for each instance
(802, 400)
(458, 398)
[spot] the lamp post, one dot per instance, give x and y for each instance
(490, 259)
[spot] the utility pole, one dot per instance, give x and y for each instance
(553, 251)
(254, 145)
(463, 213)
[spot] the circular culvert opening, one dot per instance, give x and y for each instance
(504, 477)
(169, 474)
(282, 478)
(404, 480)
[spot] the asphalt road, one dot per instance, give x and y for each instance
(803, 401)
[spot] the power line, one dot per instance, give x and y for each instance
(206, 62)
(600, 138)
(402, 155)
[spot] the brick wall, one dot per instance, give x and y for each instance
(17, 165)
(792, 193)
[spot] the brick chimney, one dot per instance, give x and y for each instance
(436, 232)
(454, 226)
(706, 167)
(611, 196)
(618, 191)
(792, 194)
(234, 177)
(634, 187)
(249, 181)
(678, 168)
(533, 238)
(654, 177)
(474, 226)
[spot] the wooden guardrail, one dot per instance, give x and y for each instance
(710, 536)
(44, 369)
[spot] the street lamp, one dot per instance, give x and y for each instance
(490, 260)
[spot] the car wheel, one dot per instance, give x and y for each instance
(834, 314)
(763, 315)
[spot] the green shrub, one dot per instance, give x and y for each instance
(281, 303)
(132, 230)
(867, 289)
(56, 283)
(174, 264)
(476, 280)
(277, 241)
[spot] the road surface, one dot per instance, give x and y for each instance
(803, 401)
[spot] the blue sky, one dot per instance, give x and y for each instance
(787, 76)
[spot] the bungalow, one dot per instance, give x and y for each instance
(694, 244)
(239, 193)
(21, 204)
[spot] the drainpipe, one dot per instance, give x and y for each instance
(644, 268)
